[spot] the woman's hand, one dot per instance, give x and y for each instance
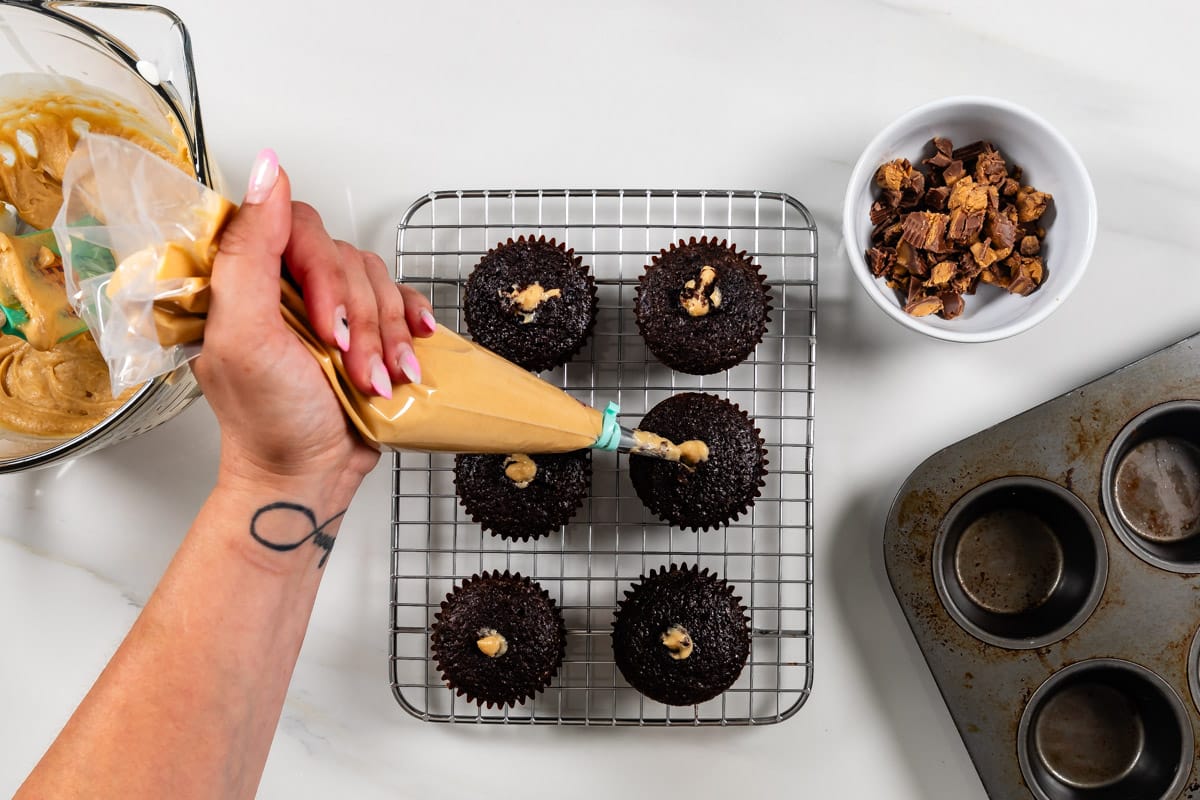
(278, 416)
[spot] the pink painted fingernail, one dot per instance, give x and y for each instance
(409, 364)
(263, 176)
(341, 329)
(381, 382)
(428, 321)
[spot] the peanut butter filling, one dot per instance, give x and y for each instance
(520, 469)
(491, 643)
(689, 453)
(700, 298)
(678, 642)
(692, 452)
(54, 393)
(527, 301)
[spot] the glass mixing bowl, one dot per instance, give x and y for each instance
(149, 66)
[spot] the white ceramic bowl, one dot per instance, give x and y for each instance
(1049, 163)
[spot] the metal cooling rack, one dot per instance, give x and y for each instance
(767, 554)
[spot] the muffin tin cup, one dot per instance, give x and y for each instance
(1105, 729)
(1151, 486)
(1019, 562)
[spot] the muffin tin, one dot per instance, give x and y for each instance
(1048, 569)
(613, 540)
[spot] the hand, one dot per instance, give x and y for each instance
(278, 416)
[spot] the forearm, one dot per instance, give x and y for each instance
(189, 704)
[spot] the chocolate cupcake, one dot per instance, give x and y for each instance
(532, 302)
(702, 306)
(520, 496)
(498, 639)
(716, 490)
(680, 636)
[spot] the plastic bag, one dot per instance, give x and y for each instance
(147, 318)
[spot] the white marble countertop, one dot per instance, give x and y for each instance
(371, 104)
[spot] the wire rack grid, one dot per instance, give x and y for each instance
(767, 554)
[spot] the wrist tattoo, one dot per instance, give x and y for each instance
(315, 532)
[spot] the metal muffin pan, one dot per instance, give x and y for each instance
(1049, 568)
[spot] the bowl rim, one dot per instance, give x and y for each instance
(850, 218)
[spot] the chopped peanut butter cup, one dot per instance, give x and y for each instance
(969, 220)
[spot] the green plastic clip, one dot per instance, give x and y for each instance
(610, 430)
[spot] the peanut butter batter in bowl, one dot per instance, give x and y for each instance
(61, 78)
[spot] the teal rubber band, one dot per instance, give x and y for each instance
(610, 431)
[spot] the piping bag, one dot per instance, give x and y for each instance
(147, 315)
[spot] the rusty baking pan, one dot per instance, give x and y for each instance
(1049, 568)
